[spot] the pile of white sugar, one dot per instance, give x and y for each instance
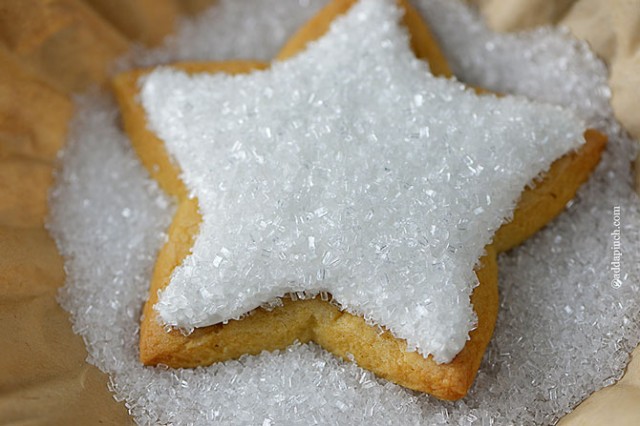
(565, 327)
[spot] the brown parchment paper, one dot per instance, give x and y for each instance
(52, 48)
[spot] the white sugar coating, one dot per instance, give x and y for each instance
(563, 331)
(348, 169)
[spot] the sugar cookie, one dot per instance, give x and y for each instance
(340, 332)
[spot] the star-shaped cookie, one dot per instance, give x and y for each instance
(303, 205)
